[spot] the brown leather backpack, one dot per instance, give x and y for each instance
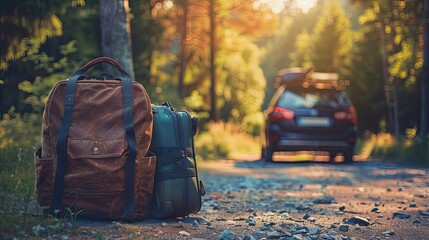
(94, 157)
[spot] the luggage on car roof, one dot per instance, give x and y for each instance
(292, 76)
(303, 78)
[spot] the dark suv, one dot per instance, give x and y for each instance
(310, 116)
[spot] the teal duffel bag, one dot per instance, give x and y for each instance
(178, 190)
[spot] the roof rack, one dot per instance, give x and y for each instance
(300, 77)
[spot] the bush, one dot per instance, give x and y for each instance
(225, 140)
(406, 149)
(19, 135)
(18, 130)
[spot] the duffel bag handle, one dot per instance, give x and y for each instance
(108, 60)
(124, 74)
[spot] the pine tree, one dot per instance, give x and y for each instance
(331, 38)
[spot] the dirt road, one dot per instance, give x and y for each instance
(258, 200)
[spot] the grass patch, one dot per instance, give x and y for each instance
(404, 150)
(225, 141)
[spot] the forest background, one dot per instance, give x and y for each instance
(218, 60)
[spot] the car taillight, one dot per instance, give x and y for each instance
(281, 114)
(273, 138)
(346, 115)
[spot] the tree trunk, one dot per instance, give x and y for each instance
(116, 32)
(182, 58)
(214, 116)
(389, 88)
(424, 121)
(395, 108)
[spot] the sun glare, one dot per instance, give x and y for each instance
(277, 6)
(304, 5)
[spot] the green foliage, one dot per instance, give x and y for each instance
(280, 51)
(331, 38)
(301, 55)
(144, 45)
(26, 23)
(82, 27)
(243, 81)
(33, 90)
(366, 90)
(405, 150)
(225, 141)
(395, 26)
(17, 130)
(16, 169)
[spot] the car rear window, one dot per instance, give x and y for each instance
(310, 99)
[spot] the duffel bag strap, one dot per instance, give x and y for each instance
(61, 169)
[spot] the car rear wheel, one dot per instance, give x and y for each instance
(268, 154)
(348, 156)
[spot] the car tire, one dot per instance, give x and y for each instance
(348, 156)
(269, 154)
(263, 152)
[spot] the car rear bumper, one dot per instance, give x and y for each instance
(312, 145)
(316, 144)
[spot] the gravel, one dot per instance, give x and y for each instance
(257, 200)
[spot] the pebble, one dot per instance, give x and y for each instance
(227, 235)
(251, 222)
(273, 235)
(258, 234)
(230, 222)
(249, 238)
(421, 195)
(388, 233)
(400, 215)
(358, 220)
(195, 223)
(424, 213)
(299, 231)
(376, 210)
(265, 228)
(325, 200)
(313, 230)
(302, 208)
(184, 233)
(344, 228)
(328, 236)
(289, 204)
